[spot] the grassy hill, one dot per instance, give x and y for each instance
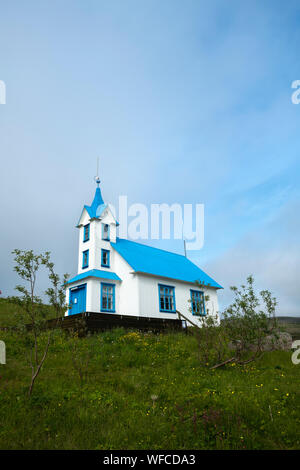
(145, 391)
(295, 320)
(291, 325)
(9, 313)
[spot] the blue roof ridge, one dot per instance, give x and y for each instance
(154, 248)
(181, 280)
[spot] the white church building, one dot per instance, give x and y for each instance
(118, 276)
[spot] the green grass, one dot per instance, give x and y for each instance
(251, 407)
(10, 313)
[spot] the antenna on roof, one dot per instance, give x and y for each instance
(96, 178)
(184, 244)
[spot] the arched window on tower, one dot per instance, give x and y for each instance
(105, 232)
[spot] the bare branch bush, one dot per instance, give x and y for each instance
(32, 321)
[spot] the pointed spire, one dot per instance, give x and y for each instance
(98, 200)
(97, 206)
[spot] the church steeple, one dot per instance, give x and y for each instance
(97, 205)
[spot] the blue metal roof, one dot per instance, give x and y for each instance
(95, 273)
(146, 259)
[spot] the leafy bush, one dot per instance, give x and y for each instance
(240, 336)
(249, 320)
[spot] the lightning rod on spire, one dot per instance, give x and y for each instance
(96, 178)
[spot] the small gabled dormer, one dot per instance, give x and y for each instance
(97, 229)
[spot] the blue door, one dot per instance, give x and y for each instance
(77, 299)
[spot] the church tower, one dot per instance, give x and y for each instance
(96, 280)
(97, 228)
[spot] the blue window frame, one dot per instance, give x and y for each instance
(105, 258)
(198, 303)
(107, 301)
(105, 232)
(86, 232)
(166, 298)
(85, 259)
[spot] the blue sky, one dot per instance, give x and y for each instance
(186, 102)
